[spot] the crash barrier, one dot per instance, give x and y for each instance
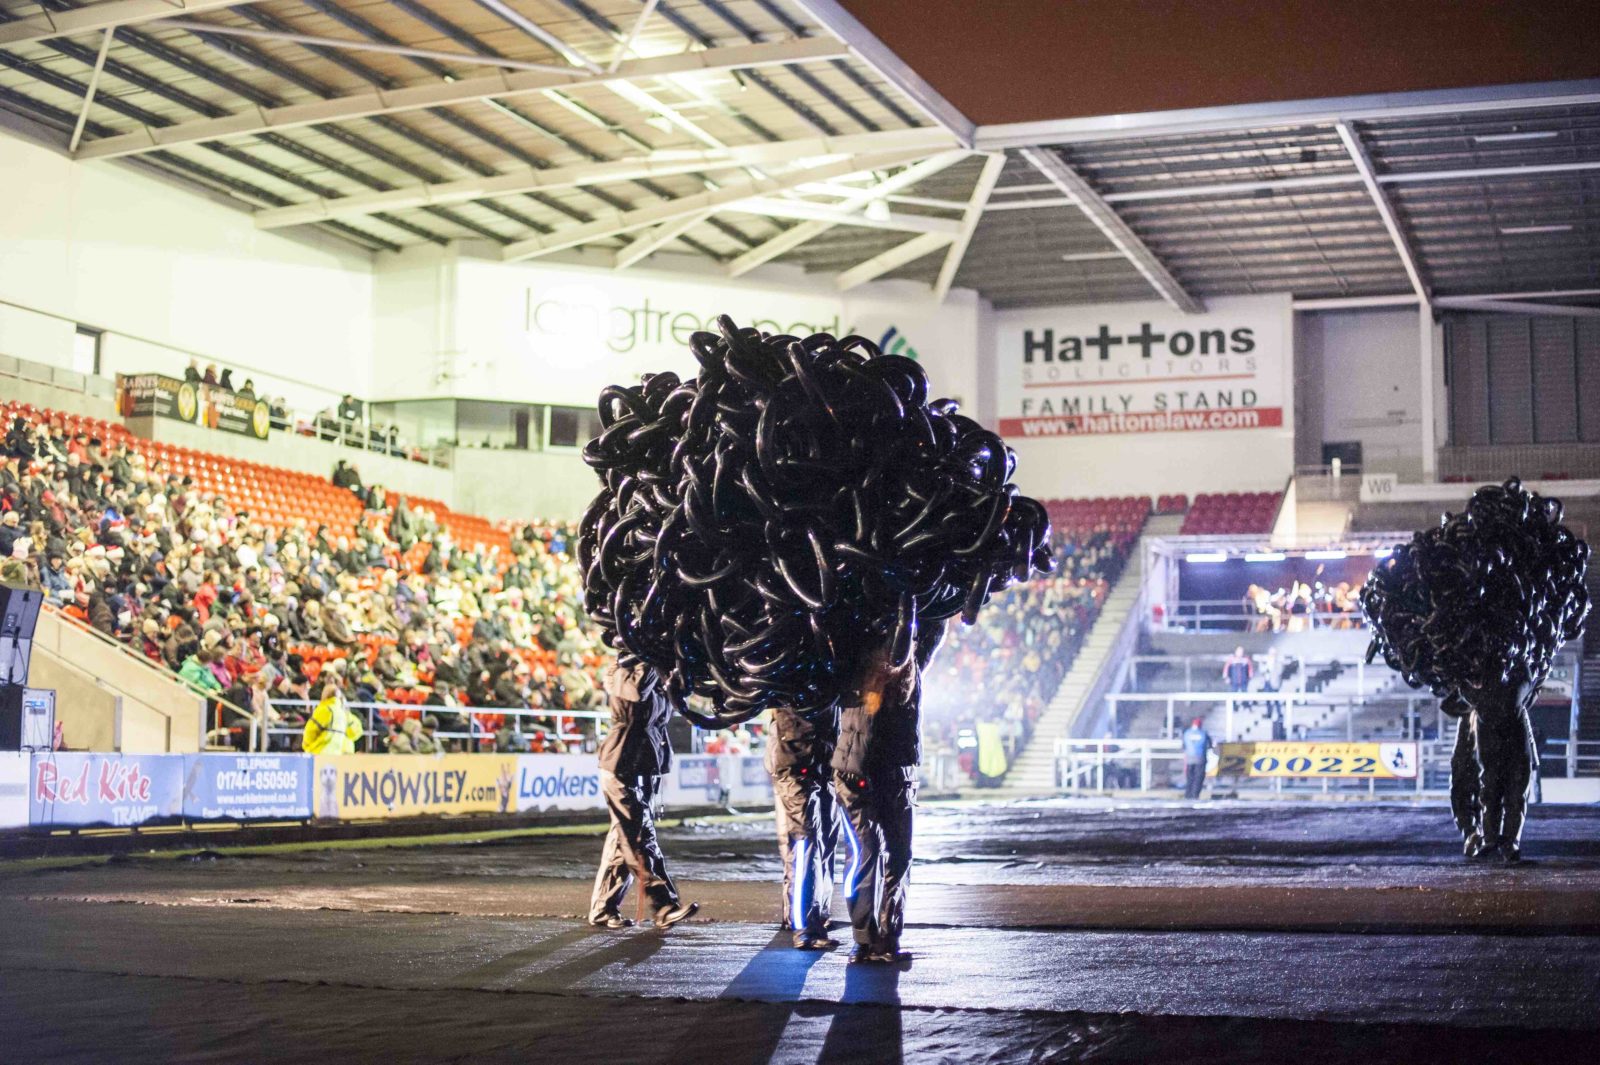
(1373, 767)
(70, 790)
(374, 726)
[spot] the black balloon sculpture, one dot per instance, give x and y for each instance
(1475, 609)
(801, 500)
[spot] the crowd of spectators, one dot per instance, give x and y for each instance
(267, 619)
(276, 620)
(1304, 605)
(991, 681)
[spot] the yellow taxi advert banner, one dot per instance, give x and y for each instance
(1387, 761)
(357, 786)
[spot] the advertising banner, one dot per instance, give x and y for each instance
(148, 395)
(233, 413)
(561, 334)
(1361, 761)
(697, 780)
(246, 787)
(558, 782)
(13, 789)
(358, 786)
(1144, 368)
(751, 781)
(70, 789)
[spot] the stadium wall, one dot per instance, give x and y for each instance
(1359, 382)
(450, 324)
(168, 275)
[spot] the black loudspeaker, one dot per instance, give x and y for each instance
(19, 613)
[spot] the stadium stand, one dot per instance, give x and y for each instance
(263, 585)
(1228, 513)
(992, 681)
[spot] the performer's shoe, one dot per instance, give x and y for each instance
(1475, 847)
(821, 942)
(668, 916)
(864, 955)
(1510, 853)
(613, 921)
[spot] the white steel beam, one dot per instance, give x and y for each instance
(1380, 200)
(1122, 237)
(1346, 303)
(658, 238)
(104, 16)
(538, 32)
(883, 262)
(488, 86)
(891, 68)
(626, 44)
(1543, 294)
(88, 94)
(616, 223)
(343, 44)
(1516, 307)
(969, 224)
(1296, 112)
(657, 164)
(795, 236)
(1235, 188)
(808, 211)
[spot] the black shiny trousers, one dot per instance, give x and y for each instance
(877, 824)
(631, 848)
(808, 833)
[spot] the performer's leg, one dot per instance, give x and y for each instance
(863, 876)
(1505, 744)
(1465, 784)
(812, 904)
(612, 880)
(658, 886)
(788, 801)
(896, 805)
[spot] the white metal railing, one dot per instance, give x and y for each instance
(1236, 615)
(1284, 702)
(371, 711)
(1582, 757)
(1324, 484)
(1305, 667)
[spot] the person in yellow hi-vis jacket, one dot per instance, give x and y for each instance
(332, 727)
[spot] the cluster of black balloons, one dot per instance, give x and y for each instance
(765, 525)
(1483, 600)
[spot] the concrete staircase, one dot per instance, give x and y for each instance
(1033, 772)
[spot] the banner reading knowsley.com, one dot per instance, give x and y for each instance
(358, 786)
(1143, 368)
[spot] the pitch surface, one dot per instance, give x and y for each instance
(1042, 931)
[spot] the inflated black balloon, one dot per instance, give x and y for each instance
(1485, 598)
(1475, 609)
(763, 525)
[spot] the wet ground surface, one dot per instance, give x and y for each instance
(1042, 931)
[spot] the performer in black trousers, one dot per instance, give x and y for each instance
(799, 753)
(633, 756)
(875, 774)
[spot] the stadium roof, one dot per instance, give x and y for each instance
(751, 131)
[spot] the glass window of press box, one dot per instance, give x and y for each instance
(483, 423)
